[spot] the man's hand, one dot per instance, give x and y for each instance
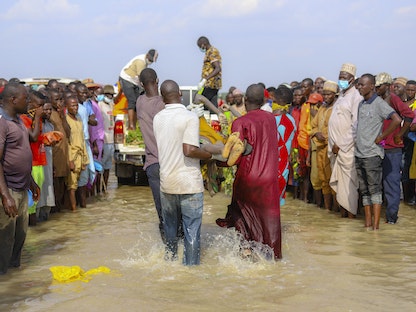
(35, 189)
(95, 150)
(320, 137)
(335, 149)
(39, 112)
(9, 206)
(223, 120)
(225, 107)
(308, 159)
(398, 140)
(198, 109)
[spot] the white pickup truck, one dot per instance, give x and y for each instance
(129, 158)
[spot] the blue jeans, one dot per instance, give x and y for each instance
(153, 177)
(370, 171)
(391, 183)
(189, 207)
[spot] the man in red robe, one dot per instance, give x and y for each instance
(255, 209)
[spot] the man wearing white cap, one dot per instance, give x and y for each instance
(341, 140)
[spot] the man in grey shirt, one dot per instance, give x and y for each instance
(369, 150)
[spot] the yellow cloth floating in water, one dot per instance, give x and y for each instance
(67, 274)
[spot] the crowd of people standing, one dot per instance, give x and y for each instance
(342, 145)
(57, 149)
(350, 142)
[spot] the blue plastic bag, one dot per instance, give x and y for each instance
(30, 201)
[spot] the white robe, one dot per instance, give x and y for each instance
(341, 131)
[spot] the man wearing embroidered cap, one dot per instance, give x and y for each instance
(341, 140)
(399, 87)
(319, 135)
(383, 79)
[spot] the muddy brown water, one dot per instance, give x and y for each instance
(329, 263)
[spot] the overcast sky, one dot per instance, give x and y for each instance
(270, 41)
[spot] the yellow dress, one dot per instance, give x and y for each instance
(77, 151)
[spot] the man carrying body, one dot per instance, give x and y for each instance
(15, 177)
(182, 189)
(211, 70)
(255, 209)
(130, 84)
(341, 140)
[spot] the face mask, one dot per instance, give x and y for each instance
(107, 100)
(100, 97)
(343, 84)
(203, 50)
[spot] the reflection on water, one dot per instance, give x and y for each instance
(329, 263)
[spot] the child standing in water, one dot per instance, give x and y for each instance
(78, 157)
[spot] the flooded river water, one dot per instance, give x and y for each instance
(329, 263)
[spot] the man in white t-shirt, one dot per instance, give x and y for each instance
(181, 186)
